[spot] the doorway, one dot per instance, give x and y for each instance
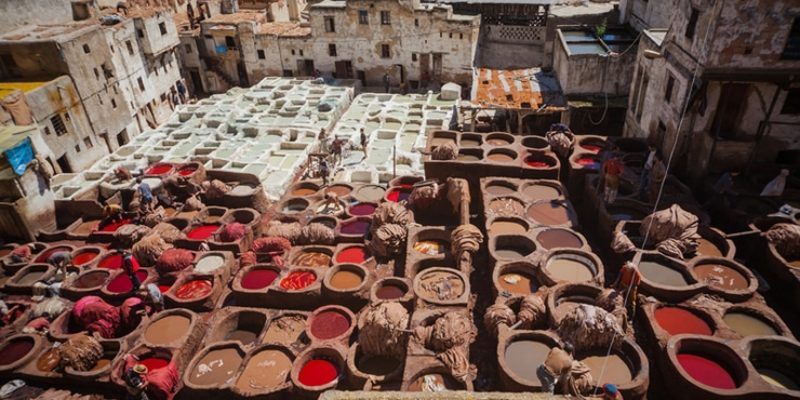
(732, 99)
(197, 82)
(305, 67)
(424, 68)
(63, 163)
(437, 67)
(344, 69)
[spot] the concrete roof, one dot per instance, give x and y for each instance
(529, 89)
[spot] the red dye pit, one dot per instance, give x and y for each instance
(15, 350)
(188, 170)
(362, 209)
(536, 164)
(592, 148)
(202, 232)
(84, 257)
(122, 283)
(194, 289)
(318, 372)
(298, 280)
(153, 363)
(113, 261)
(352, 255)
(159, 169)
(258, 279)
(329, 324)
(112, 227)
(677, 320)
(49, 252)
(589, 162)
(399, 194)
(706, 371)
(355, 227)
(164, 288)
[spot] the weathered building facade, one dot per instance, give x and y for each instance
(732, 65)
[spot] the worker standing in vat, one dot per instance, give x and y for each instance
(146, 195)
(627, 283)
(336, 150)
(60, 261)
(152, 297)
(364, 142)
(131, 268)
(612, 169)
(324, 170)
(386, 82)
(556, 367)
(645, 176)
(181, 91)
(610, 392)
(112, 213)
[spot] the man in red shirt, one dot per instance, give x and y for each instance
(22, 253)
(612, 169)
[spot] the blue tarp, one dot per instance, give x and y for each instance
(20, 156)
(221, 49)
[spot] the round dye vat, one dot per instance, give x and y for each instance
(507, 228)
(122, 283)
(748, 325)
(523, 358)
(467, 157)
(45, 255)
(194, 289)
(706, 248)
(390, 292)
(517, 283)
(500, 190)
(168, 329)
(588, 162)
(549, 213)
(441, 285)
(592, 148)
(346, 280)
(470, 142)
(553, 238)
(112, 227)
(297, 280)
(329, 324)
(285, 330)
(242, 335)
(676, 320)
(202, 232)
(216, 368)
(49, 360)
(377, 365)
(318, 372)
(209, 264)
(326, 208)
(536, 162)
(353, 255)
(511, 252)
(340, 190)
(431, 247)
(438, 141)
(164, 288)
(258, 279)
(13, 350)
(295, 206)
(357, 227)
(500, 157)
(265, 370)
(84, 257)
(313, 259)
(371, 193)
(706, 371)
(154, 363)
(187, 170)
(541, 192)
(777, 378)
(721, 277)
(507, 207)
(498, 141)
(30, 278)
(396, 195)
(90, 280)
(434, 383)
(303, 192)
(159, 169)
(362, 209)
(614, 368)
(662, 274)
(100, 364)
(570, 270)
(113, 261)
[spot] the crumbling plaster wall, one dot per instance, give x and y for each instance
(645, 14)
(19, 13)
(153, 41)
(591, 73)
(35, 60)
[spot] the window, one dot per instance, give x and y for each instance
(301, 53)
(414, 57)
(113, 103)
(261, 54)
(292, 51)
(78, 148)
(363, 17)
(792, 49)
(451, 35)
(385, 51)
(96, 73)
(111, 47)
(140, 33)
(792, 103)
(107, 71)
(163, 97)
(670, 87)
(287, 73)
(163, 28)
(141, 84)
(66, 117)
(188, 49)
(329, 25)
(87, 142)
(86, 49)
(416, 22)
(230, 42)
(129, 45)
(47, 130)
(692, 25)
(461, 36)
(386, 18)
(58, 125)
(332, 50)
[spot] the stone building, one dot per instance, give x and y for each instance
(732, 65)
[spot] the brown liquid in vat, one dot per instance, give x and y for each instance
(707, 248)
(167, 330)
(565, 269)
(285, 330)
(266, 370)
(345, 280)
(517, 283)
(218, 367)
(506, 227)
(549, 213)
(721, 276)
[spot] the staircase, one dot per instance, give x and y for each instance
(214, 66)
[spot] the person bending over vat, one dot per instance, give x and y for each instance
(60, 261)
(610, 392)
(152, 297)
(112, 213)
(131, 267)
(627, 284)
(136, 382)
(556, 367)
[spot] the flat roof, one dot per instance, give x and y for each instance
(528, 88)
(241, 16)
(7, 88)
